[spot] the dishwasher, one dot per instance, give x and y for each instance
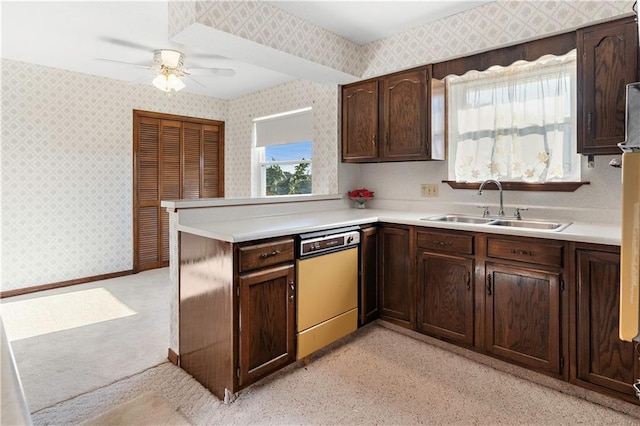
(327, 276)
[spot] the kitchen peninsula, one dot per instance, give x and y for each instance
(224, 243)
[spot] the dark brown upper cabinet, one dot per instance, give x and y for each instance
(404, 126)
(608, 61)
(360, 122)
(389, 118)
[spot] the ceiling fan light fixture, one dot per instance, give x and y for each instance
(167, 82)
(168, 58)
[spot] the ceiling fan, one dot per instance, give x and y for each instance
(168, 66)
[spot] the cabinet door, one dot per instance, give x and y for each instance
(404, 124)
(608, 61)
(602, 358)
(267, 322)
(445, 297)
(395, 274)
(360, 122)
(523, 316)
(369, 275)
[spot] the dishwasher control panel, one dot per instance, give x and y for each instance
(326, 243)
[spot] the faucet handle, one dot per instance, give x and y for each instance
(517, 214)
(486, 212)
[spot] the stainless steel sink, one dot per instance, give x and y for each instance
(458, 219)
(493, 221)
(531, 224)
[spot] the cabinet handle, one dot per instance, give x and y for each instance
(489, 284)
(523, 252)
(387, 141)
(468, 280)
(373, 141)
(293, 289)
(442, 243)
(589, 118)
(266, 255)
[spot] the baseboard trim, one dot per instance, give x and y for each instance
(174, 358)
(27, 290)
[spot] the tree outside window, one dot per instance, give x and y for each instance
(287, 169)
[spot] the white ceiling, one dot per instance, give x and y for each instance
(72, 35)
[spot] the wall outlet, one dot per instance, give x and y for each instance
(429, 190)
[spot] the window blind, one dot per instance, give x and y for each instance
(293, 127)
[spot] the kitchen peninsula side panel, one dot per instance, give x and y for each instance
(206, 330)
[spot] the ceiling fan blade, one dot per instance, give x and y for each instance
(194, 80)
(146, 67)
(125, 43)
(207, 56)
(222, 72)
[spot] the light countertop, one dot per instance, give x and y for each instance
(236, 231)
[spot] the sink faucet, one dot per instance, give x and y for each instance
(499, 185)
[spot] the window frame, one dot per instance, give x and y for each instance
(529, 51)
(495, 83)
(297, 130)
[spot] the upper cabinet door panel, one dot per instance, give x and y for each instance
(405, 116)
(360, 122)
(608, 62)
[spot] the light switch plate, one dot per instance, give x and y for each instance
(429, 190)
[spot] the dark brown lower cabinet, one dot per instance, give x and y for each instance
(267, 322)
(368, 275)
(522, 317)
(237, 310)
(445, 297)
(445, 284)
(395, 285)
(603, 361)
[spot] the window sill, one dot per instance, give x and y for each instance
(521, 186)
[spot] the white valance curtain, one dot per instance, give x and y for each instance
(514, 123)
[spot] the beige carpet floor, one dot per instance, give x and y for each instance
(375, 376)
(146, 410)
(75, 339)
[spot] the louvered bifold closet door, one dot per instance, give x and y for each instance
(201, 156)
(212, 172)
(174, 158)
(159, 178)
(170, 173)
(191, 148)
(148, 185)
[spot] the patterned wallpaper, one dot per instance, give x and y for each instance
(264, 23)
(488, 26)
(66, 199)
(289, 96)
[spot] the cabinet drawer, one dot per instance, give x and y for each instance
(445, 242)
(541, 253)
(267, 254)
